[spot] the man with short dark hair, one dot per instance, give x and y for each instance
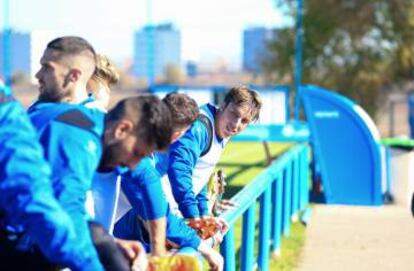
(105, 187)
(67, 65)
(151, 215)
(142, 185)
(78, 140)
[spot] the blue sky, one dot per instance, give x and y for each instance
(210, 30)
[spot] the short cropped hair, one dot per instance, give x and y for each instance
(151, 118)
(184, 109)
(241, 95)
(105, 70)
(72, 45)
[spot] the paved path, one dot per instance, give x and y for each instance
(359, 238)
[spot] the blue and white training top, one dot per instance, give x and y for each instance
(188, 171)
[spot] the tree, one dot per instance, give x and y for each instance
(359, 48)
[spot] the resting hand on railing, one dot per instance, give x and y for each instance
(223, 205)
(216, 188)
(222, 224)
(214, 259)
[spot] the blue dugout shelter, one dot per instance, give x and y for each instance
(345, 143)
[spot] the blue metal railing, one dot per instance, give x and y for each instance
(282, 190)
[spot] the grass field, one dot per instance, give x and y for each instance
(241, 162)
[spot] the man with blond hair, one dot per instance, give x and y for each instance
(99, 86)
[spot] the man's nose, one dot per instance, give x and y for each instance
(236, 124)
(37, 75)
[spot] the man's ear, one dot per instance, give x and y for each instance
(123, 128)
(74, 75)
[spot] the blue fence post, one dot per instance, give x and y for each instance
(304, 169)
(295, 186)
(303, 186)
(307, 173)
(264, 233)
(247, 260)
(277, 215)
(287, 201)
(227, 250)
(302, 180)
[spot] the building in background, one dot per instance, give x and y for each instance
(155, 48)
(255, 41)
(24, 53)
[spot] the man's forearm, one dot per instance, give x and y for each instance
(157, 230)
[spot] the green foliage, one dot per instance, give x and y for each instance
(359, 48)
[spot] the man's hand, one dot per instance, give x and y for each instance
(223, 205)
(214, 259)
(217, 238)
(135, 252)
(224, 227)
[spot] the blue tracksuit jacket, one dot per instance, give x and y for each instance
(183, 157)
(71, 138)
(27, 201)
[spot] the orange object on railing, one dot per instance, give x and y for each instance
(205, 227)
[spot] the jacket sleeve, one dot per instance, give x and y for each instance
(202, 201)
(180, 233)
(74, 155)
(184, 154)
(26, 193)
(143, 189)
